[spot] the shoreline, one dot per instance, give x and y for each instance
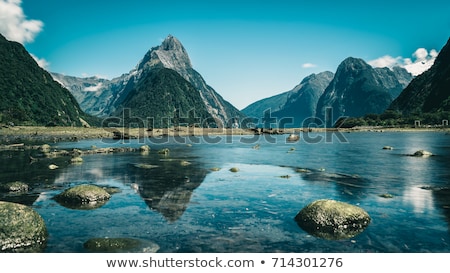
(41, 135)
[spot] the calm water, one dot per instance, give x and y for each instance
(194, 209)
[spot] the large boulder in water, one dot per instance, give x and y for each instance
(22, 229)
(332, 220)
(83, 197)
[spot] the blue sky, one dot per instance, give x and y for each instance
(246, 50)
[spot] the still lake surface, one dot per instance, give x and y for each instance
(192, 208)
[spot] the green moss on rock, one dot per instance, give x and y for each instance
(15, 186)
(22, 229)
(332, 220)
(83, 197)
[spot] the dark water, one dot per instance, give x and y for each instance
(190, 208)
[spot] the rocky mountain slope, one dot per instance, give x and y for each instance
(274, 103)
(358, 89)
(29, 95)
(167, 98)
(429, 92)
(302, 101)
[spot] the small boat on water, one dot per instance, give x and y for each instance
(293, 137)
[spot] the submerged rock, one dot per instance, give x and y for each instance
(45, 148)
(388, 148)
(185, 163)
(53, 167)
(76, 160)
(293, 137)
(22, 229)
(120, 245)
(145, 166)
(422, 153)
(164, 151)
(332, 220)
(83, 197)
(144, 149)
(386, 195)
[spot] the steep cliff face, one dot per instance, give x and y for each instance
(163, 98)
(428, 92)
(358, 89)
(29, 95)
(275, 103)
(302, 101)
(103, 97)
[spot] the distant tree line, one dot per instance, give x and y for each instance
(392, 118)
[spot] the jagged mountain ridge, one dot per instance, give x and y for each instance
(358, 89)
(428, 92)
(29, 95)
(167, 98)
(170, 54)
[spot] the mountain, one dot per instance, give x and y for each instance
(302, 101)
(274, 103)
(163, 93)
(102, 97)
(29, 95)
(358, 89)
(429, 92)
(298, 103)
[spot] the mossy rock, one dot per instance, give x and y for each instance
(234, 170)
(332, 220)
(164, 151)
(386, 195)
(83, 197)
(22, 229)
(16, 186)
(111, 245)
(45, 148)
(422, 153)
(144, 149)
(76, 160)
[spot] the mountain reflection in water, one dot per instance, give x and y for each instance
(189, 201)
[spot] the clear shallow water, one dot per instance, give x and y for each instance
(194, 209)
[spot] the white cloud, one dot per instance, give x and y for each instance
(14, 25)
(420, 54)
(308, 65)
(98, 76)
(421, 62)
(93, 88)
(41, 62)
(385, 61)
